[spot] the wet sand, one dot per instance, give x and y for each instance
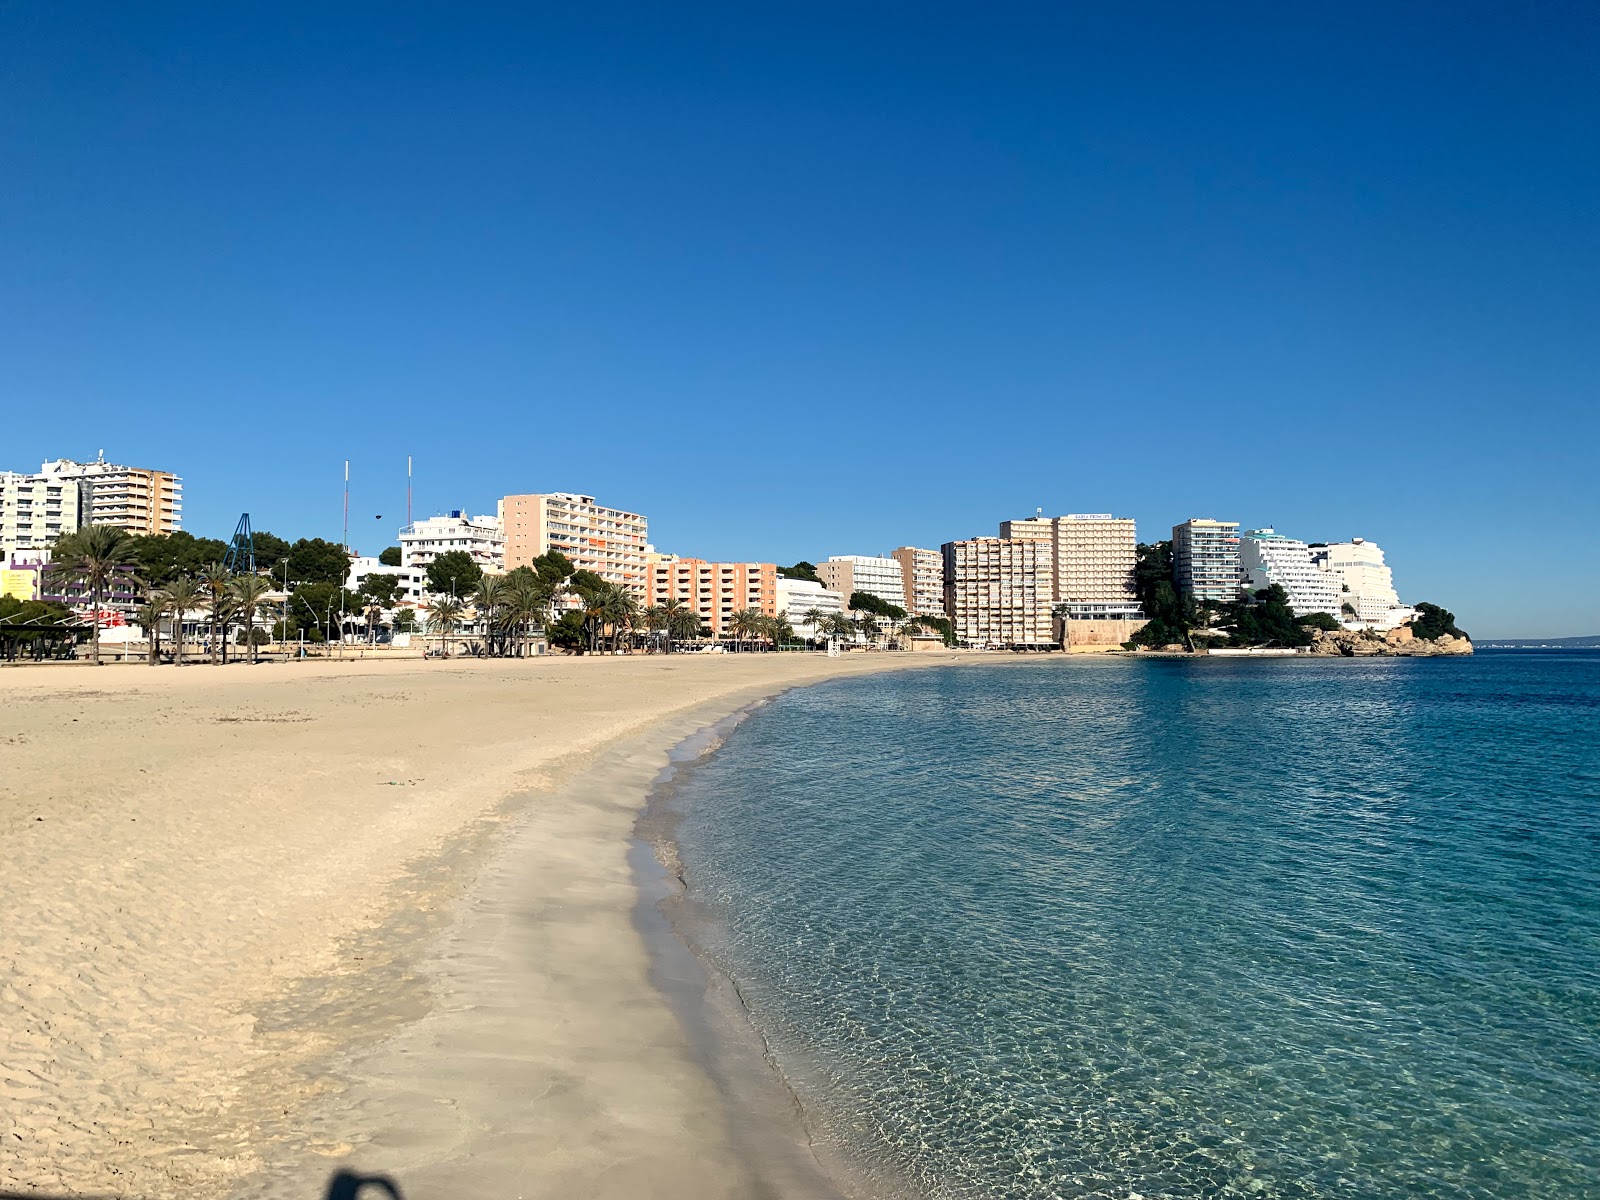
(262, 923)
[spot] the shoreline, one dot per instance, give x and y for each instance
(267, 970)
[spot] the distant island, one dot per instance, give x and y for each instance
(1592, 642)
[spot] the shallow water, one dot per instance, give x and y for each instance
(1174, 928)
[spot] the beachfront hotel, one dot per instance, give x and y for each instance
(922, 577)
(714, 590)
(608, 541)
(1091, 560)
(479, 537)
(1268, 558)
(797, 597)
(997, 593)
(37, 510)
(1366, 584)
(848, 574)
(1205, 559)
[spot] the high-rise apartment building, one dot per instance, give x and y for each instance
(137, 499)
(479, 537)
(607, 541)
(714, 590)
(1091, 560)
(848, 574)
(922, 577)
(1205, 559)
(997, 592)
(35, 511)
(1266, 558)
(1365, 583)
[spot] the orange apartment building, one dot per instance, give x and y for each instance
(607, 541)
(715, 590)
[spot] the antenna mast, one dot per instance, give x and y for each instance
(408, 490)
(347, 506)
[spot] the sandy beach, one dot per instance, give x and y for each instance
(257, 924)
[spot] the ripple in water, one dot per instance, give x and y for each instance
(1175, 928)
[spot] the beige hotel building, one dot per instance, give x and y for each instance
(923, 574)
(607, 541)
(997, 592)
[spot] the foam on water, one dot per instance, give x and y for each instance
(1174, 928)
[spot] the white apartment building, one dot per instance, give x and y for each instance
(797, 597)
(1091, 561)
(137, 499)
(922, 576)
(608, 541)
(423, 541)
(1266, 557)
(851, 573)
(35, 510)
(413, 580)
(997, 593)
(1365, 583)
(1205, 559)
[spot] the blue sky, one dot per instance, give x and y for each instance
(815, 279)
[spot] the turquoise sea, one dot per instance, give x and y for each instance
(1173, 928)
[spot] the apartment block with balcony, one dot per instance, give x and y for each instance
(848, 574)
(1091, 561)
(1366, 584)
(714, 590)
(608, 541)
(1205, 559)
(798, 597)
(479, 537)
(142, 501)
(922, 576)
(35, 512)
(1268, 558)
(997, 593)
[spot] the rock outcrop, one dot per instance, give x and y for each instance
(1401, 643)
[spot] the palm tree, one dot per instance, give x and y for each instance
(619, 610)
(840, 626)
(149, 615)
(779, 630)
(96, 556)
(444, 614)
(526, 601)
(492, 595)
(814, 617)
(747, 623)
(247, 592)
(683, 623)
(214, 581)
(181, 595)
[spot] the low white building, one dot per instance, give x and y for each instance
(1267, 557)
(423, 541)
(797, 597)
(1365, 582)
(413, 580)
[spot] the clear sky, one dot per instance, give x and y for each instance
(809, 279)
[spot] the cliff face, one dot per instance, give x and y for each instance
(1397, 642)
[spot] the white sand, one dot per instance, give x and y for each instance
(256, 923)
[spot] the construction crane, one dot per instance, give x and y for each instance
(241, 557)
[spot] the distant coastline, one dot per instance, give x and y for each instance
(1591, 642)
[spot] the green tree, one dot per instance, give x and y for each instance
(619, 610)
(801, 570)
(745, 624)
(313, 560)
(779, 630)
(382, 590)
(161, 558)
(182, 595)
(405, 620)
(1169, 616)
(868, 603)
(494, 592)
(444, 617)
(568, 631)
(247, 592)
(149, 616)
(215, 580)
(271, 551)
(97, 557)
(389, 556)
(454, 573)
(1432, 622)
